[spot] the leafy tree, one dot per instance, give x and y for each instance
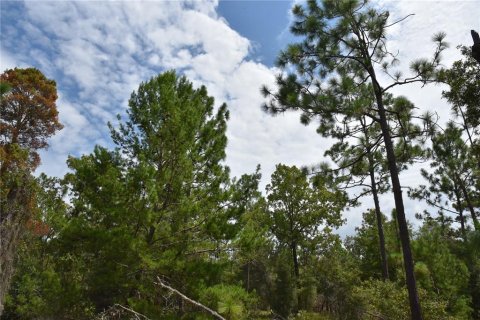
(337, 274)
(253, 243)
(442, 274)
(347, 40)
(363, 247)
(284, 297)
(472, 258)
(364, 244)
(28, 116)
(302, 216)
(4, 88)
(162, 196)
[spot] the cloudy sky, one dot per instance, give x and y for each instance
(99, 51)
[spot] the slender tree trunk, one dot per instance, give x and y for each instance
(151, 233)
(462, 224)
(295, 260)
(460, 213)
(378, 214)
(248, 276)
(465, 127)
(415, 308)
(470, 205)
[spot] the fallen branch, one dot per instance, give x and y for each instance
(138, 315)
(184, 297)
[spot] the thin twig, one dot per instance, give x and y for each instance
(393, 23)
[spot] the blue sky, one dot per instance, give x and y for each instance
(264, 23)
(99, 51)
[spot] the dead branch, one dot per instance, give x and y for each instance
(184, 297)
(138, 315)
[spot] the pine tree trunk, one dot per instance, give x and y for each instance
(248, 276)
(460, 213)
(378, 214)
(470, 206)
(415, 308)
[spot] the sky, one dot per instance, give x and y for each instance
(98, 52)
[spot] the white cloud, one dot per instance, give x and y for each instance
(103, 50)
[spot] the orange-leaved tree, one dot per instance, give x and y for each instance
(28, 113)
(28, 117)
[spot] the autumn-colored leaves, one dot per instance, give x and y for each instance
(28, 113)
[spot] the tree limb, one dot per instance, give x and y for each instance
(184, 297)
(138, 315)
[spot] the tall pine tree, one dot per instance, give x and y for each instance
(348, 39)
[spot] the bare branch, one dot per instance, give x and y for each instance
(184, 297)
(138, 315)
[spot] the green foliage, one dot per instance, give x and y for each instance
(364, 245)
(48, 280)
(464, 84)
(453, 180)
(4, 88)
(284, 299)
(231, 301)
(440, 272)
(336, 275)
(381, 299)
(302, 215)
(290, 193)
(472, 258)
(384, 299)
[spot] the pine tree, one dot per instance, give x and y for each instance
(163, 196)
(360, 152)
(302, 216)
(452, 182)
(347, 40)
